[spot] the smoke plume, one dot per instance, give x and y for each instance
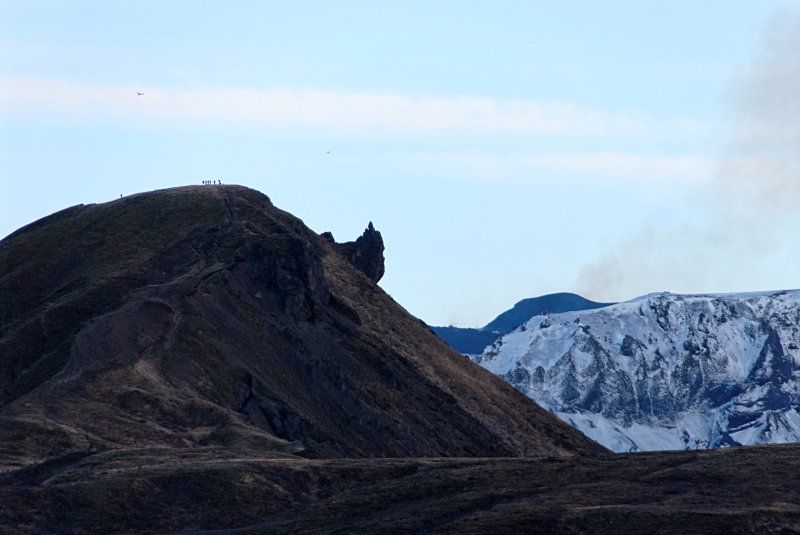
(751, 208)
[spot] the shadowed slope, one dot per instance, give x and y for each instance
(206, 317)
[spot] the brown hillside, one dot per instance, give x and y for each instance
(204, 317)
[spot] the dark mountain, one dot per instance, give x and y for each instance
(195, 359)
(473, 341)
(466, 340)
(205, 316)
(527, 308)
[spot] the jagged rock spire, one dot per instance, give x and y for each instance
(366, 253)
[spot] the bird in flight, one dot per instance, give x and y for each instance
(327, 152)
(139, 93)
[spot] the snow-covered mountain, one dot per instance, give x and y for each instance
(664, 371)
(472, 341)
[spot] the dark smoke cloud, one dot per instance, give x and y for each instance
(751, 209)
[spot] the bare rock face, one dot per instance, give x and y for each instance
(366, 253)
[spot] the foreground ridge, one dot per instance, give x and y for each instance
(742, 490)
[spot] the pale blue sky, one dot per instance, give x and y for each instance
(504, 149)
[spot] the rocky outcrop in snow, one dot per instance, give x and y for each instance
(665, 371)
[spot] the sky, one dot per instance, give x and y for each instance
(505, 149)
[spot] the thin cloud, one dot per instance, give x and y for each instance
(304, 108)
(590, 166)
(629, 167)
